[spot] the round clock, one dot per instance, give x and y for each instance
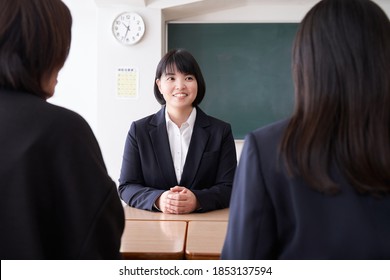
(128, 28)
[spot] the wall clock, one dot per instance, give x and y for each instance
(128, 28)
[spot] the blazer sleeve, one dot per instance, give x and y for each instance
(217, 196)
(251, 232)
(132, 188)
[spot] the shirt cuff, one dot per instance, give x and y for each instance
(156, 208)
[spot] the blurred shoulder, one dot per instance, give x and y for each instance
(272, 129)
(65, 119)
(270, 134)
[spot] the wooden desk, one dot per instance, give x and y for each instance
(153, 240)
(205, 240)
(132, 213)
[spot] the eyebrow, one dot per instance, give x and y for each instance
(174, 73)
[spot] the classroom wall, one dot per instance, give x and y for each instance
(116, 114)
(87, 83)
(77, 87)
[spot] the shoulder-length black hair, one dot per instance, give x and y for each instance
(35, 38)
(185, 63)
(341, 72)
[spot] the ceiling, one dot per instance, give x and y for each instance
(188, 8)
(167, 4)
(221, 3)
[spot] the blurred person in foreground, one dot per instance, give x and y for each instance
(57, 200)
(316, 186)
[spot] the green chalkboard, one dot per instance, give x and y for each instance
(247, 69)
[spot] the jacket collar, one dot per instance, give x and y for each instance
(160, 142)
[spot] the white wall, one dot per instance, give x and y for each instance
(87, 83)
(115, 114)
(77, 87)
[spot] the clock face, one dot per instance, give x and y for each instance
(128, 28)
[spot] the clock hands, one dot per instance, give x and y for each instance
(127, 28)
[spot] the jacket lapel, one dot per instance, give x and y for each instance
(196, 149)
(159, 138)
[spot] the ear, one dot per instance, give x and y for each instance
(158, 83)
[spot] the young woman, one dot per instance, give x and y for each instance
(316, 186)
(179, 160)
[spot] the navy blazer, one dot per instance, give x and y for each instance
(273, 216)
(148, 171)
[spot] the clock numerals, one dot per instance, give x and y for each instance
(128, 28)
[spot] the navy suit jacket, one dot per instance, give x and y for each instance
(147, 168)
(274, 216)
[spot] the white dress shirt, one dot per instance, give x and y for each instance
(179, 141)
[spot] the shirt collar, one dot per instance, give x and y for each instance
(190, 121)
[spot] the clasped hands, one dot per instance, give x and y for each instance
(177, 200)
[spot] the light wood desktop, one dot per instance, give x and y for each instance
(132, 213)
(153, 240)
(191, 236)
(205, 240)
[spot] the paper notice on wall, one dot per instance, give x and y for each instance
(127, 82)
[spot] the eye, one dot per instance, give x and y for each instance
(170, 78)
(190, 78)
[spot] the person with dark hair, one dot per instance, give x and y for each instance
(317, 185)
(57, 200)
(179, 160)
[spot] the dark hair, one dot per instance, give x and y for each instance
(35, 38)
(341, 73)
(184, 63)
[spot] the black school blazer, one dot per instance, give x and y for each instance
(57, 200)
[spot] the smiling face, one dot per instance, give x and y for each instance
(174, 62)
(179, 89)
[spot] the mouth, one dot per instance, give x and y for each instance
(180, 95)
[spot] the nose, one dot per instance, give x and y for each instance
(180, 84)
